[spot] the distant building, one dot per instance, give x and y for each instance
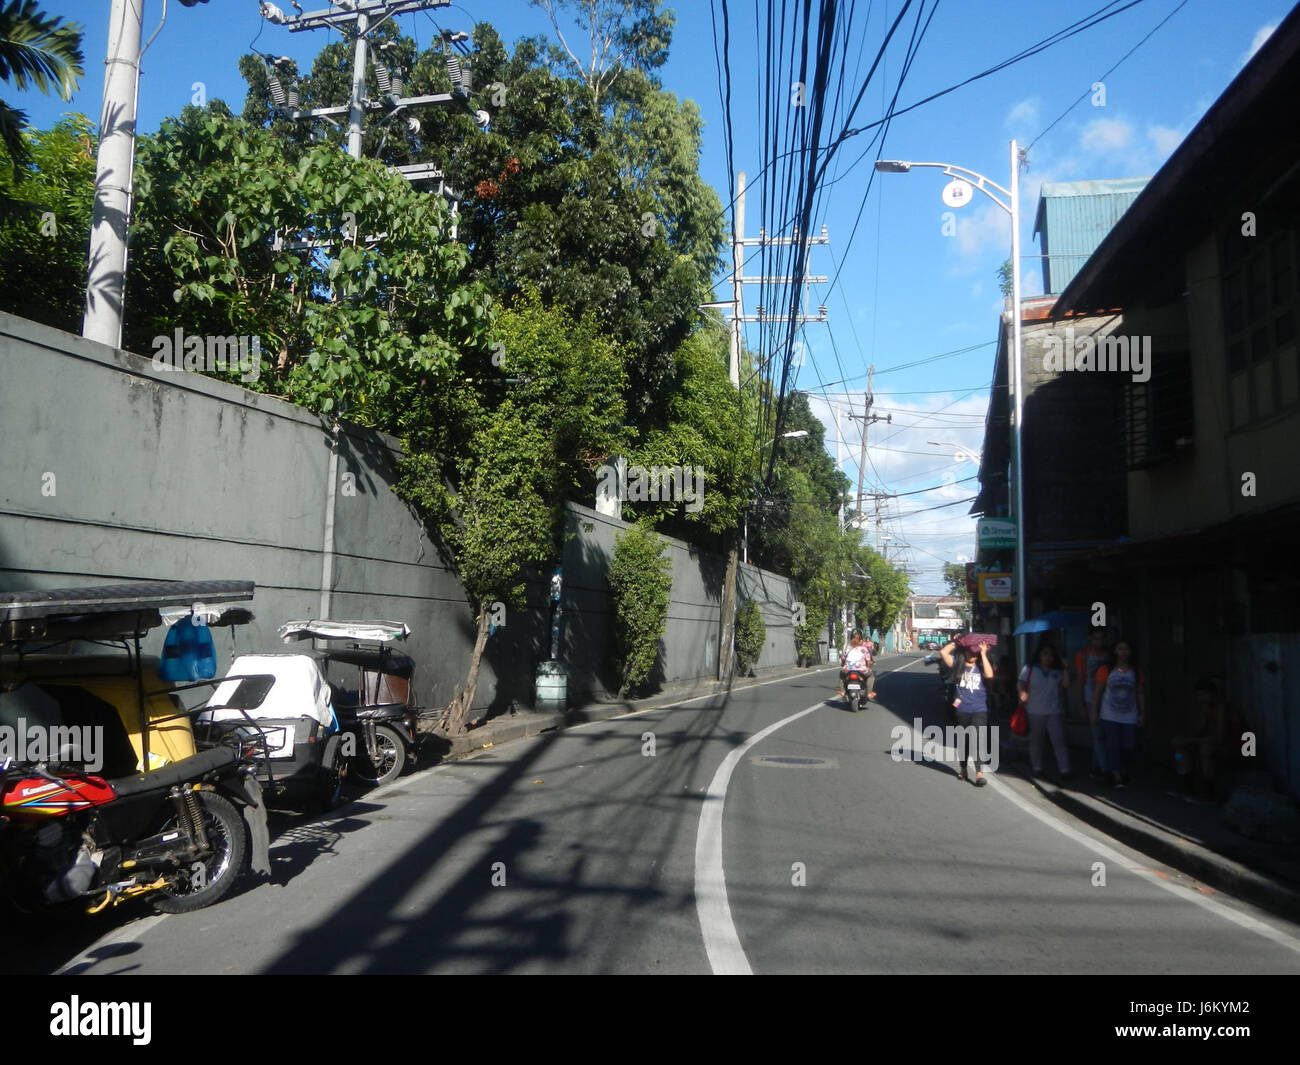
(933, 617)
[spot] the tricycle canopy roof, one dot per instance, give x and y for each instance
(107, 610)
(296, 689)
(371, 631)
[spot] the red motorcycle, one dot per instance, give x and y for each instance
(170, 834)
(113, 802)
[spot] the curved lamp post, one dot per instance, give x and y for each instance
(957, 194)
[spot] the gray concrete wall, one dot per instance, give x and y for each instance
(117, 471)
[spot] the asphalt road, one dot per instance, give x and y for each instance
(610, 848)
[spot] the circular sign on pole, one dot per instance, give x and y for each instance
(957, 193)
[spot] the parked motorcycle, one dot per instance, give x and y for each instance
(135, 812)
(173, 834)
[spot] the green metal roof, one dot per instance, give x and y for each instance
(1073, 218)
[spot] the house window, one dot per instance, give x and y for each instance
(1158, 422)
(1260, 307)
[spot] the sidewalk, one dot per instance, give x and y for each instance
(1190, 836)
(517, 724)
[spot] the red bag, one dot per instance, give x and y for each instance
(1019, 721)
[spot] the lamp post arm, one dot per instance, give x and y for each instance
(975, 178)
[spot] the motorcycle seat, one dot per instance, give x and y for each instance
(187, 769)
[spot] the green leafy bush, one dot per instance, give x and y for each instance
(640, 583)
(808, 635)
(751, 633)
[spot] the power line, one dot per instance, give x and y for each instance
(1108, 73)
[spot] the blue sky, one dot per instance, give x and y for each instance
(904, 290)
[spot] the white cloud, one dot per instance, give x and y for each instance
(982, 229)
(1165, 139)
(1025, 113)
(1257, 42)
(1106, 135)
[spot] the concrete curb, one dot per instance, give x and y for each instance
(1186, 855)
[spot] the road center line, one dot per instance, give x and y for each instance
(721, 943)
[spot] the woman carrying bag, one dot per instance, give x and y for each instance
(1042, 691)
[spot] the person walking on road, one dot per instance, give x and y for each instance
(971, 674)
(1120, 704)
(1042, 689)
(1086, 663)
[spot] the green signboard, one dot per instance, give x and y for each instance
(995, 533)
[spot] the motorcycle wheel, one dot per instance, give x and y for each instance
(332, 771)
(391, 751)
(209, 880)
(853, 703)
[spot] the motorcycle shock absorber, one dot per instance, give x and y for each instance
(191, 815)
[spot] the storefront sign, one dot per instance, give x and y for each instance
(996, 588)
(995, 533)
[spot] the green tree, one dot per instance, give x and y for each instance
(35, 51)
(43, 249)
(490, 466)
(751, 634)
(954, 576)
(621, 35)
(640, 586)
(595, 201)
(347, 324)
(879, 599)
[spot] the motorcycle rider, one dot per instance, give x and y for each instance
(858, 658)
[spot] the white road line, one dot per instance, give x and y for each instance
(721, 943)
(697, 698)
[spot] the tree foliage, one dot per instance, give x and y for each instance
(43, 240)
(36, 51)
(490, 461)
(222, 213)
(640, 587)
(751, 634)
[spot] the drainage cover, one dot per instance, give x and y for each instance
(786, 761)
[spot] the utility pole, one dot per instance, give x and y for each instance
(364, 18)
(867, 418)
(106, 273)
(737, 280)
(727, 633)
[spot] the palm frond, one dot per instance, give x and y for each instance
(37, 50)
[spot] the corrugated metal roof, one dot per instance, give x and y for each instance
(1073, 218)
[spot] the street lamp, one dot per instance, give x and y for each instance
(795, 435)
(957, 194)
(792, 435)
(961, 454)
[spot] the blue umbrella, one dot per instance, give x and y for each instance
(1053, 619)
